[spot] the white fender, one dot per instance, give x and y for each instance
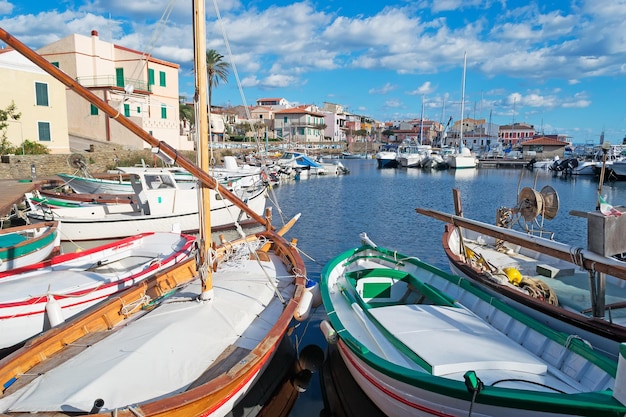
(329, 332)
(304, 307)
(54, 311)
(314, 288)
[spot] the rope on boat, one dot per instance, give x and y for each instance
(130, 308)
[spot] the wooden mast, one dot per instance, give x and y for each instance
(202, 134)
(181, 160)
(591, 261)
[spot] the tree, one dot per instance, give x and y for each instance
(9, 113)
(185, 111)
(6, 147)
(217, 70)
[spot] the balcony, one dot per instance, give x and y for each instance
(111, 81)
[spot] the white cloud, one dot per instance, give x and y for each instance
(425, 88)
(5, 7)
(388, 87)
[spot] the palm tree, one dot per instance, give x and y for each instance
(216, 69)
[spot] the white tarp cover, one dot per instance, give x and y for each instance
(160, 353)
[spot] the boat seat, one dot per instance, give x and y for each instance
(381, 290)
(11, 239)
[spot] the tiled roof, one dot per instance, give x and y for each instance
(545, 141)
(298, 110)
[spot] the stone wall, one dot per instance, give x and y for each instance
(98, 159)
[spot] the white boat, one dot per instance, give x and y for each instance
(28, 244)
(161, 205)
(435, 160)
(463, 159)
(386, 156)
(412, 156)
(299, 163)
(422, 342)
(42, 295)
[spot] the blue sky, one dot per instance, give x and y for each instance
(559, 65)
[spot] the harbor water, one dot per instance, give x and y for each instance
(382, 202)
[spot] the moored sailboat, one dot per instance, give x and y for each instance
(188, 342)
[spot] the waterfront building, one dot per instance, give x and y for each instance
(39, 99)
(144, 88)
(516, 133)
(298, 125)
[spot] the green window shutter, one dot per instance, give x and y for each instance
(285, 119)
(56, 64)
(44, 131)
(119, 77)
(138, 109)
(126, 109)
(163, 112)
(41, 94)
(162, 78)
(150, 76)
(94, 110)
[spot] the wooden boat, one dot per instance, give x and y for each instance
(557, 284)
(78, 198)
(93, 185)
(188, 342)
(159, 205)
(117, 181)
(28, 244)
(41, 295)
(422, 342)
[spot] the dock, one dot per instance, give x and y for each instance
(502, 163)
(13, 192)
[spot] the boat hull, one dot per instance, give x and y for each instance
(71, 283)
(101, 221)
(239, 340)
(28, 244)
(567, 315)
(411, 363)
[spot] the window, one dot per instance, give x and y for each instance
(163, 111)
(150, 76)
(162, 78)
(119, 77)
(126, 109)
(138, 109)
(43, 129)
(94, 110)
(41, 94)
(56, 64)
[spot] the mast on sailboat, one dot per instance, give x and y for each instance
(422, 122)
(202, 130)
(462, 99)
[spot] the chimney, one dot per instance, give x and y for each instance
(94, 33)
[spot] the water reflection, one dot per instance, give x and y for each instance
(342, 395)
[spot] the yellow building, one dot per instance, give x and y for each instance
(40, 99)
(143, 88)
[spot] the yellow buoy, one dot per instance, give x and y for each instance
(515, 277)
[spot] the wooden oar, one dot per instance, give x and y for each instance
(583, 257)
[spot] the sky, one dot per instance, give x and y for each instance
(558, 65)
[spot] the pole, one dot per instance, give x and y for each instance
(589, 260)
